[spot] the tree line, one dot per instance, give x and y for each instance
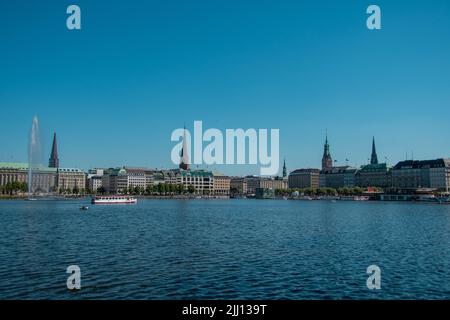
(15, 187)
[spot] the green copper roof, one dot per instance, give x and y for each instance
(14, 165)
(23, 166)
(196, 173)
(375, 167)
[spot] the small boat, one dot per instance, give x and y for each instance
(113, 200)
(84, 208)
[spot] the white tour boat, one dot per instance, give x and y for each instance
(113, 200)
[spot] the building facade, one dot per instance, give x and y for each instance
(70, 179)
(273, 183)
(201, 180)
(221, 185)
(238, 185)
(255, 182)
(374, 175)
(94, 179)
(415, 174)
(337, 177)
(115, 180)
(43, 178)
(94, 183)
(304, 178)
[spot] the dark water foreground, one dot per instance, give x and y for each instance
(224, 249)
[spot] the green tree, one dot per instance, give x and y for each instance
(191, 189)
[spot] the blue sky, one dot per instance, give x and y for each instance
(137, 70)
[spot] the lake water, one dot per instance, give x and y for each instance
(224, 249)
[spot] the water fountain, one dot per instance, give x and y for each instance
(34, 156)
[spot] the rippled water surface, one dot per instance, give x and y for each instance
(224, 249)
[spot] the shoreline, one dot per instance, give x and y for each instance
(179, 197)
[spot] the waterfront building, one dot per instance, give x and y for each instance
(374, 175)
(337, 177)
(43, 178)
(13, 172)
(415, 174)
(238, 185)
(94, 183)
(304, 178)
(172, 176)
(201, 180)
(71, 179)
(115, 180)
(254, 182)
(136, 177)
(221, 184)
(273, 183)
(94, 179)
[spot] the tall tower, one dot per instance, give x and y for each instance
(53, 161)
(184, 156)
(284, 169)
(327, 162)
(374, 157)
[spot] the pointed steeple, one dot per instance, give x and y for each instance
(284, 169)
(53, 161)
(327, 161)
(184, 157)
(374, 157)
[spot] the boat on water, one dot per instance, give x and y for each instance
(443, 200)
(113, 200)
(427, 198)
(354, 198)
(436, 199)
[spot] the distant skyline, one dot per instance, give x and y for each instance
(115, 90)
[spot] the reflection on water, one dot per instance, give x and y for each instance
(224, 249)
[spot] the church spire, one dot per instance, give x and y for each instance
(184, 161)
(284, 169)
(327, 161)
(53, 161)
(374, 157)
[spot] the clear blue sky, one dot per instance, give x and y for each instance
(115, 90)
